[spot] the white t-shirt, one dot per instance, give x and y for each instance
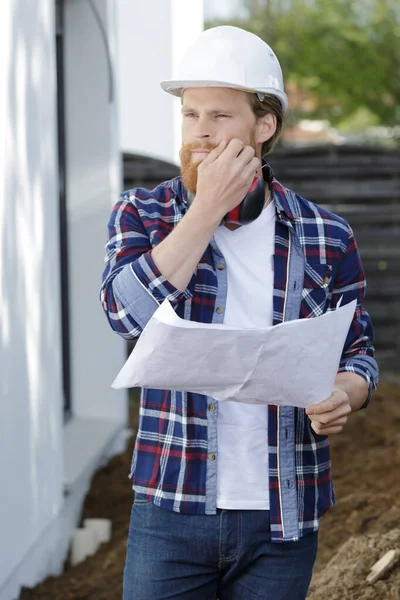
(242, 430)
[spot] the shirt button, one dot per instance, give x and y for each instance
(220, 310)
(221, 266)
(212, 407)
(211, 456)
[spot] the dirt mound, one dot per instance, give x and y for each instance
(344, 577)
(354, 534)
(366, 466)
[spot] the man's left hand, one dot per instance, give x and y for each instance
(330, 415)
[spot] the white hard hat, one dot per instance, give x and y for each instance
(229, 57)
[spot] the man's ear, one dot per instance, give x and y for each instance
(265, 128)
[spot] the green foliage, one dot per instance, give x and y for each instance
(359, 120)
(344, 53)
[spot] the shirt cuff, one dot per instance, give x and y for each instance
(141, 288)
(133, 297)
(366, 367)
(146, 271)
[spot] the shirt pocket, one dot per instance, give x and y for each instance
(317, 289)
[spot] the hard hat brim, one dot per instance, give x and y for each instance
(176, 88)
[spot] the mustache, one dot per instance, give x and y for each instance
(203, 146)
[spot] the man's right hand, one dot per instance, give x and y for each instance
(224, 177)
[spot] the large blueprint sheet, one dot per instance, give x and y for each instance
(294, 363)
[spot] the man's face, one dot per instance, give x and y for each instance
(210, 116)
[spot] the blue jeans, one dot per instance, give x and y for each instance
(228, 556)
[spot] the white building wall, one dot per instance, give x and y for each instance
(93, 185)
(46, 466)
(31, 427)
(152, 36)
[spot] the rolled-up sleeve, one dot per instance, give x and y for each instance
(358, 353)
(132, 285)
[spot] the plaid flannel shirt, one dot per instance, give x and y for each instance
(316, 262)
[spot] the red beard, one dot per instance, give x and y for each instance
(188, 167)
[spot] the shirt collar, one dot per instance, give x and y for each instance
(282, 203)
(280, 194)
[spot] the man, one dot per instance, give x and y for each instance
(228, 496)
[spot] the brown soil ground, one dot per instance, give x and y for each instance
(354, 534)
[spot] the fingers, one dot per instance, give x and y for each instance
(246, 155)
(234, 149)
(214, 154)
(230, 150)
(245, 163)
(335, 426)
(249, 171)
(237, 151)
(233, 152)
(327, 430)
(325, 406)
(329, 405)
(329, 417)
